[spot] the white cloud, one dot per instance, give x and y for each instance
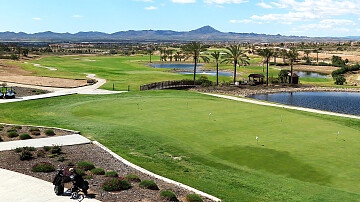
(225, 1)
(36, 18)
(264, 5)
(151, 8)
(245, 21)
(77, 16)
(183, 1)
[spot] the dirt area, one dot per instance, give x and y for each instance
(319, 69)
(14, 74)
(10, 160)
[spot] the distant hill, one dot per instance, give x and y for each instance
(206, 33)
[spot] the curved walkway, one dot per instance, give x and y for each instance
(55, 92)
(248, 100)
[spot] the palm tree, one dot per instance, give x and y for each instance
(307, 52)
(150, 50)
(283, 54)
(194, 50)
(216, 55)
(317, 55)
(292, 55)
(266, 54)
(237, 56)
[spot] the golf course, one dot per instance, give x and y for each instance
(233, 150)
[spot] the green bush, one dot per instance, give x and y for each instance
(25, 136)
(12, 134)
(35, 133)
(56, 149)
(40, 153)
(25, 155)
(98, 171)
(111, 173)
(16, 127)
(1, 127)
(340, 80)
(44, 167)
(80, 172)
(32, 129)
(49, 132)
(168, 195)
(85, 165)
(193, 198)
(61, 159)
(115, 184)
(148, 184)
(133, 178)
(47, 148)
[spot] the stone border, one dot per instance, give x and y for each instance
(155, 175)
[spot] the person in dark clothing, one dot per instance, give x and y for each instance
(78, 181)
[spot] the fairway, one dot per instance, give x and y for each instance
(210, 143)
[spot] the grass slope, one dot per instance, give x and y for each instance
(299, 156)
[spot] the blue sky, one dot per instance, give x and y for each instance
(285, 17)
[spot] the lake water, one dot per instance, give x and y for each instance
(189, 68)
(175, 65)
(341, 102)
(305, 74)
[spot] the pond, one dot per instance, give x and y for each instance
(189, 68)
(306, 74)
(340, 102)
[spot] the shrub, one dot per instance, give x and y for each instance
(25, 136)
(18, 149)
(56, 149)
(61, 159)
(49, 132)
(1, 127)
(25, 155)
(16, 127)
(84, 165)
(340, 80)
(193, 198)
(40, 153)
(80, 172)
(47, 148)
(111, 174)
(12, 134)
(133, 178)
(1, 139)
(98, 171)
(43, 167)
(148, 184)
(29, 148)
(32, 129)
(35, 133)
(115, 184)
(168, 195)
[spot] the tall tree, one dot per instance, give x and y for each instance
(292, 55)
(236, 55)
(150, 51)
(216, 55)
(317, 55)
(266, 54)
(307, 52)
(194, 50)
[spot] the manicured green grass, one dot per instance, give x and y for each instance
(298, 157)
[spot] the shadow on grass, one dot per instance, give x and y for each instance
(273, 161)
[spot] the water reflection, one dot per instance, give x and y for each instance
(341, 102)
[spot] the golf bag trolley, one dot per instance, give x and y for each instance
(78, 184)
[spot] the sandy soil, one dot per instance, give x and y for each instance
(14, 74)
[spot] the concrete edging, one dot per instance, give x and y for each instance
(155, 175)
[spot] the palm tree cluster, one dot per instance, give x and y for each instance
(234, 54)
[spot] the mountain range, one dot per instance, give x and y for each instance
(206, 33)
